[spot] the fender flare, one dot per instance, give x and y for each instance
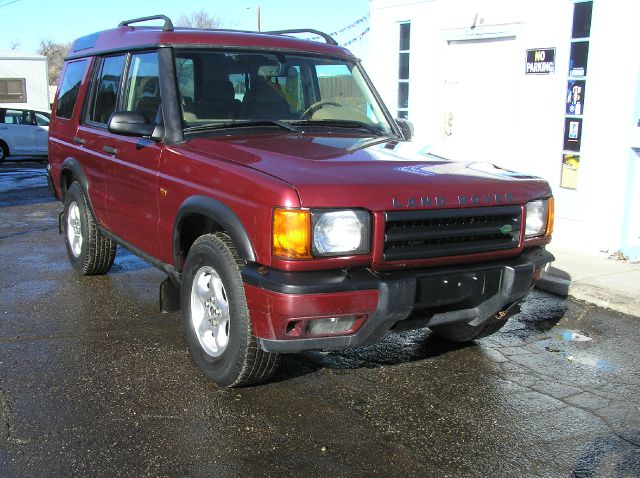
(73, 165)
(220, 213)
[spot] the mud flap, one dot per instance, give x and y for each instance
(169, 296)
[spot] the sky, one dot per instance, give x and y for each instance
(27, 22)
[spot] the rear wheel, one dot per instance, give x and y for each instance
(89, 252)
(215, 317)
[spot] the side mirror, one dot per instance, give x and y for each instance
(406, 127)
(130, 123)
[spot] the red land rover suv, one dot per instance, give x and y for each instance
(265, 176)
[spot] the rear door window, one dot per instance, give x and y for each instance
(16, 117)
(68, 91)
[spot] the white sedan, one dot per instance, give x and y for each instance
(23, 132)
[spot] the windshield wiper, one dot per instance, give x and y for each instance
(342, 124)
(242, 124)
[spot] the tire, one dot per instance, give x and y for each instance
(90, 252)
(215, 317)
(462, 332)
(4, 151)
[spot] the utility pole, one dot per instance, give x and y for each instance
(258, 13)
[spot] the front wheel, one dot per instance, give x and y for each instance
(215, 317)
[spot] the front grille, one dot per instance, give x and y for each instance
(450, 232)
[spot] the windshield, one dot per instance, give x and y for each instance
(224, 89)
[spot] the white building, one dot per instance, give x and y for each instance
(549, 87)
(24, 80)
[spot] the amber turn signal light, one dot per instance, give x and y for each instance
(292, 233)
(550, 217)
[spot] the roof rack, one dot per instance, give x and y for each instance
(168, 24)
(168, 27)
(328, 38)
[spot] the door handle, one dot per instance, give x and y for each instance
(79, 140)
(109, 149)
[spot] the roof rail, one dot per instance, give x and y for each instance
(168, 24)
(328, 38)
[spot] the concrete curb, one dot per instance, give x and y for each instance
(591, 294)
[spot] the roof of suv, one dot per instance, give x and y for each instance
(127, 37)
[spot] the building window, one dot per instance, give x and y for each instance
(403, 70)
(575, 93)
(13, 90)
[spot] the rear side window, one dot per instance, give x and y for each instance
(69, 87)
(17, 117)
(105, 97)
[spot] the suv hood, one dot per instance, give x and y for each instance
(372, 173)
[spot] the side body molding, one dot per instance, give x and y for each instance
(222, 215)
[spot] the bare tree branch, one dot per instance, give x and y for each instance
(55, 53)
(199, 19)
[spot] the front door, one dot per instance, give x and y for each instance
(41, 131)
(132, 171)
(128, 166)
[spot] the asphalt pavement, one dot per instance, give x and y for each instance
(95, 381)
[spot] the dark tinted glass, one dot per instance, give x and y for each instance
(69, 87)
(403, 114)
(405, 36)
(106, 92)
(582, 20)
(578, 59)
(403, 95)
(403, 71)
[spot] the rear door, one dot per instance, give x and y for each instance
(19, 129)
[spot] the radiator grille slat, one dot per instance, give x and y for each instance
(448, 232)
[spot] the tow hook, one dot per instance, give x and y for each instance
(513, 309)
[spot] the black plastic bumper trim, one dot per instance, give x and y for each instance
(397, 296)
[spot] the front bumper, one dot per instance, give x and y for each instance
(471, 293)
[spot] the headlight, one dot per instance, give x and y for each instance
(340, 232)
(539, 220)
